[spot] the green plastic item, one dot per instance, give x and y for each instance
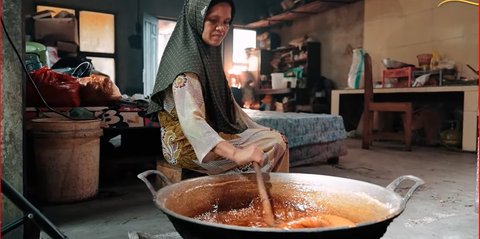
(38, 49)
(81, 113)
(296, 72)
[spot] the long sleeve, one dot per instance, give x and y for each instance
(245, 119)
(188, 97)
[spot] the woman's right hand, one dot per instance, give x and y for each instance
(240, 156)
(248, 154)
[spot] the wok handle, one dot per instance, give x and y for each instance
(143, 176)
(396, 183)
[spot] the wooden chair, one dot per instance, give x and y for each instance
(370, 107)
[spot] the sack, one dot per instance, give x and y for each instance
(98, 90)
(355, 75)
(58, 90)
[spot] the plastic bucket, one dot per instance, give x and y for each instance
(67, 155)
(277, 81)
(292, 81)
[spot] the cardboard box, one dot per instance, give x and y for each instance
(51, 30)
(69, 47)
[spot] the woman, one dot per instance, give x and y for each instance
(203, 129)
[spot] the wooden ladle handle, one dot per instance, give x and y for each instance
(267, 207)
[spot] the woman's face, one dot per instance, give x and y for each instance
(216, 24)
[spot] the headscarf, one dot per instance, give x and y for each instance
(186, 52)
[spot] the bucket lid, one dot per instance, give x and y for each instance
(34, 47)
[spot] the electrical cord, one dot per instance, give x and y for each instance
(24, 67)
(78, 72)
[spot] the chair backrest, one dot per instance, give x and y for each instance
(368, 81)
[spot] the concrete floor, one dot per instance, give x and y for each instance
(444, 208)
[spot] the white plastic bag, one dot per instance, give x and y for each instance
(355, 75)
(421, 80)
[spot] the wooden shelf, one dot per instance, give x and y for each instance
(273, 91)
(311, 8)
(288, 48)
(303, 60)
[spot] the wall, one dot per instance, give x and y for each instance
(335, 29)
(12, 110)
(402, 29)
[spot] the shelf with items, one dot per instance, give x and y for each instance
(298, 68)
(290, 57)
(299, 62)
(435, 77)
(286, 58)
(299, 10)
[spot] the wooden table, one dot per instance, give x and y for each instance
(470, 106)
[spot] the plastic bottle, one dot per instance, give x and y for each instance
(435, 60)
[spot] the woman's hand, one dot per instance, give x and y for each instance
(248, 154)
(240, 156)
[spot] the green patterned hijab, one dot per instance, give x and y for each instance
(186, 52)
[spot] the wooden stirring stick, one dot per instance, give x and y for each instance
(267, 207)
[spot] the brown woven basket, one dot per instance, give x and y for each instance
(424, 59)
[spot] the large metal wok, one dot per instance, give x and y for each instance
(371, 207)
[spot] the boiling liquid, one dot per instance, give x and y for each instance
(287, 215)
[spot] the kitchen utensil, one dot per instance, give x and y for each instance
(370, 206)
(267, 207)
(393, 64)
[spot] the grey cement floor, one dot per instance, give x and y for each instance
(444, 208)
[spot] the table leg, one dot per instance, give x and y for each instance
(335, 104)
(469, 134)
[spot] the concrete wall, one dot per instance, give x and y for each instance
(402, 29)
(12, 110)
(335, 29)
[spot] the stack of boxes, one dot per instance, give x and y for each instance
(59, 31)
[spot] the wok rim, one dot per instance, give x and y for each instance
(171, 213)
